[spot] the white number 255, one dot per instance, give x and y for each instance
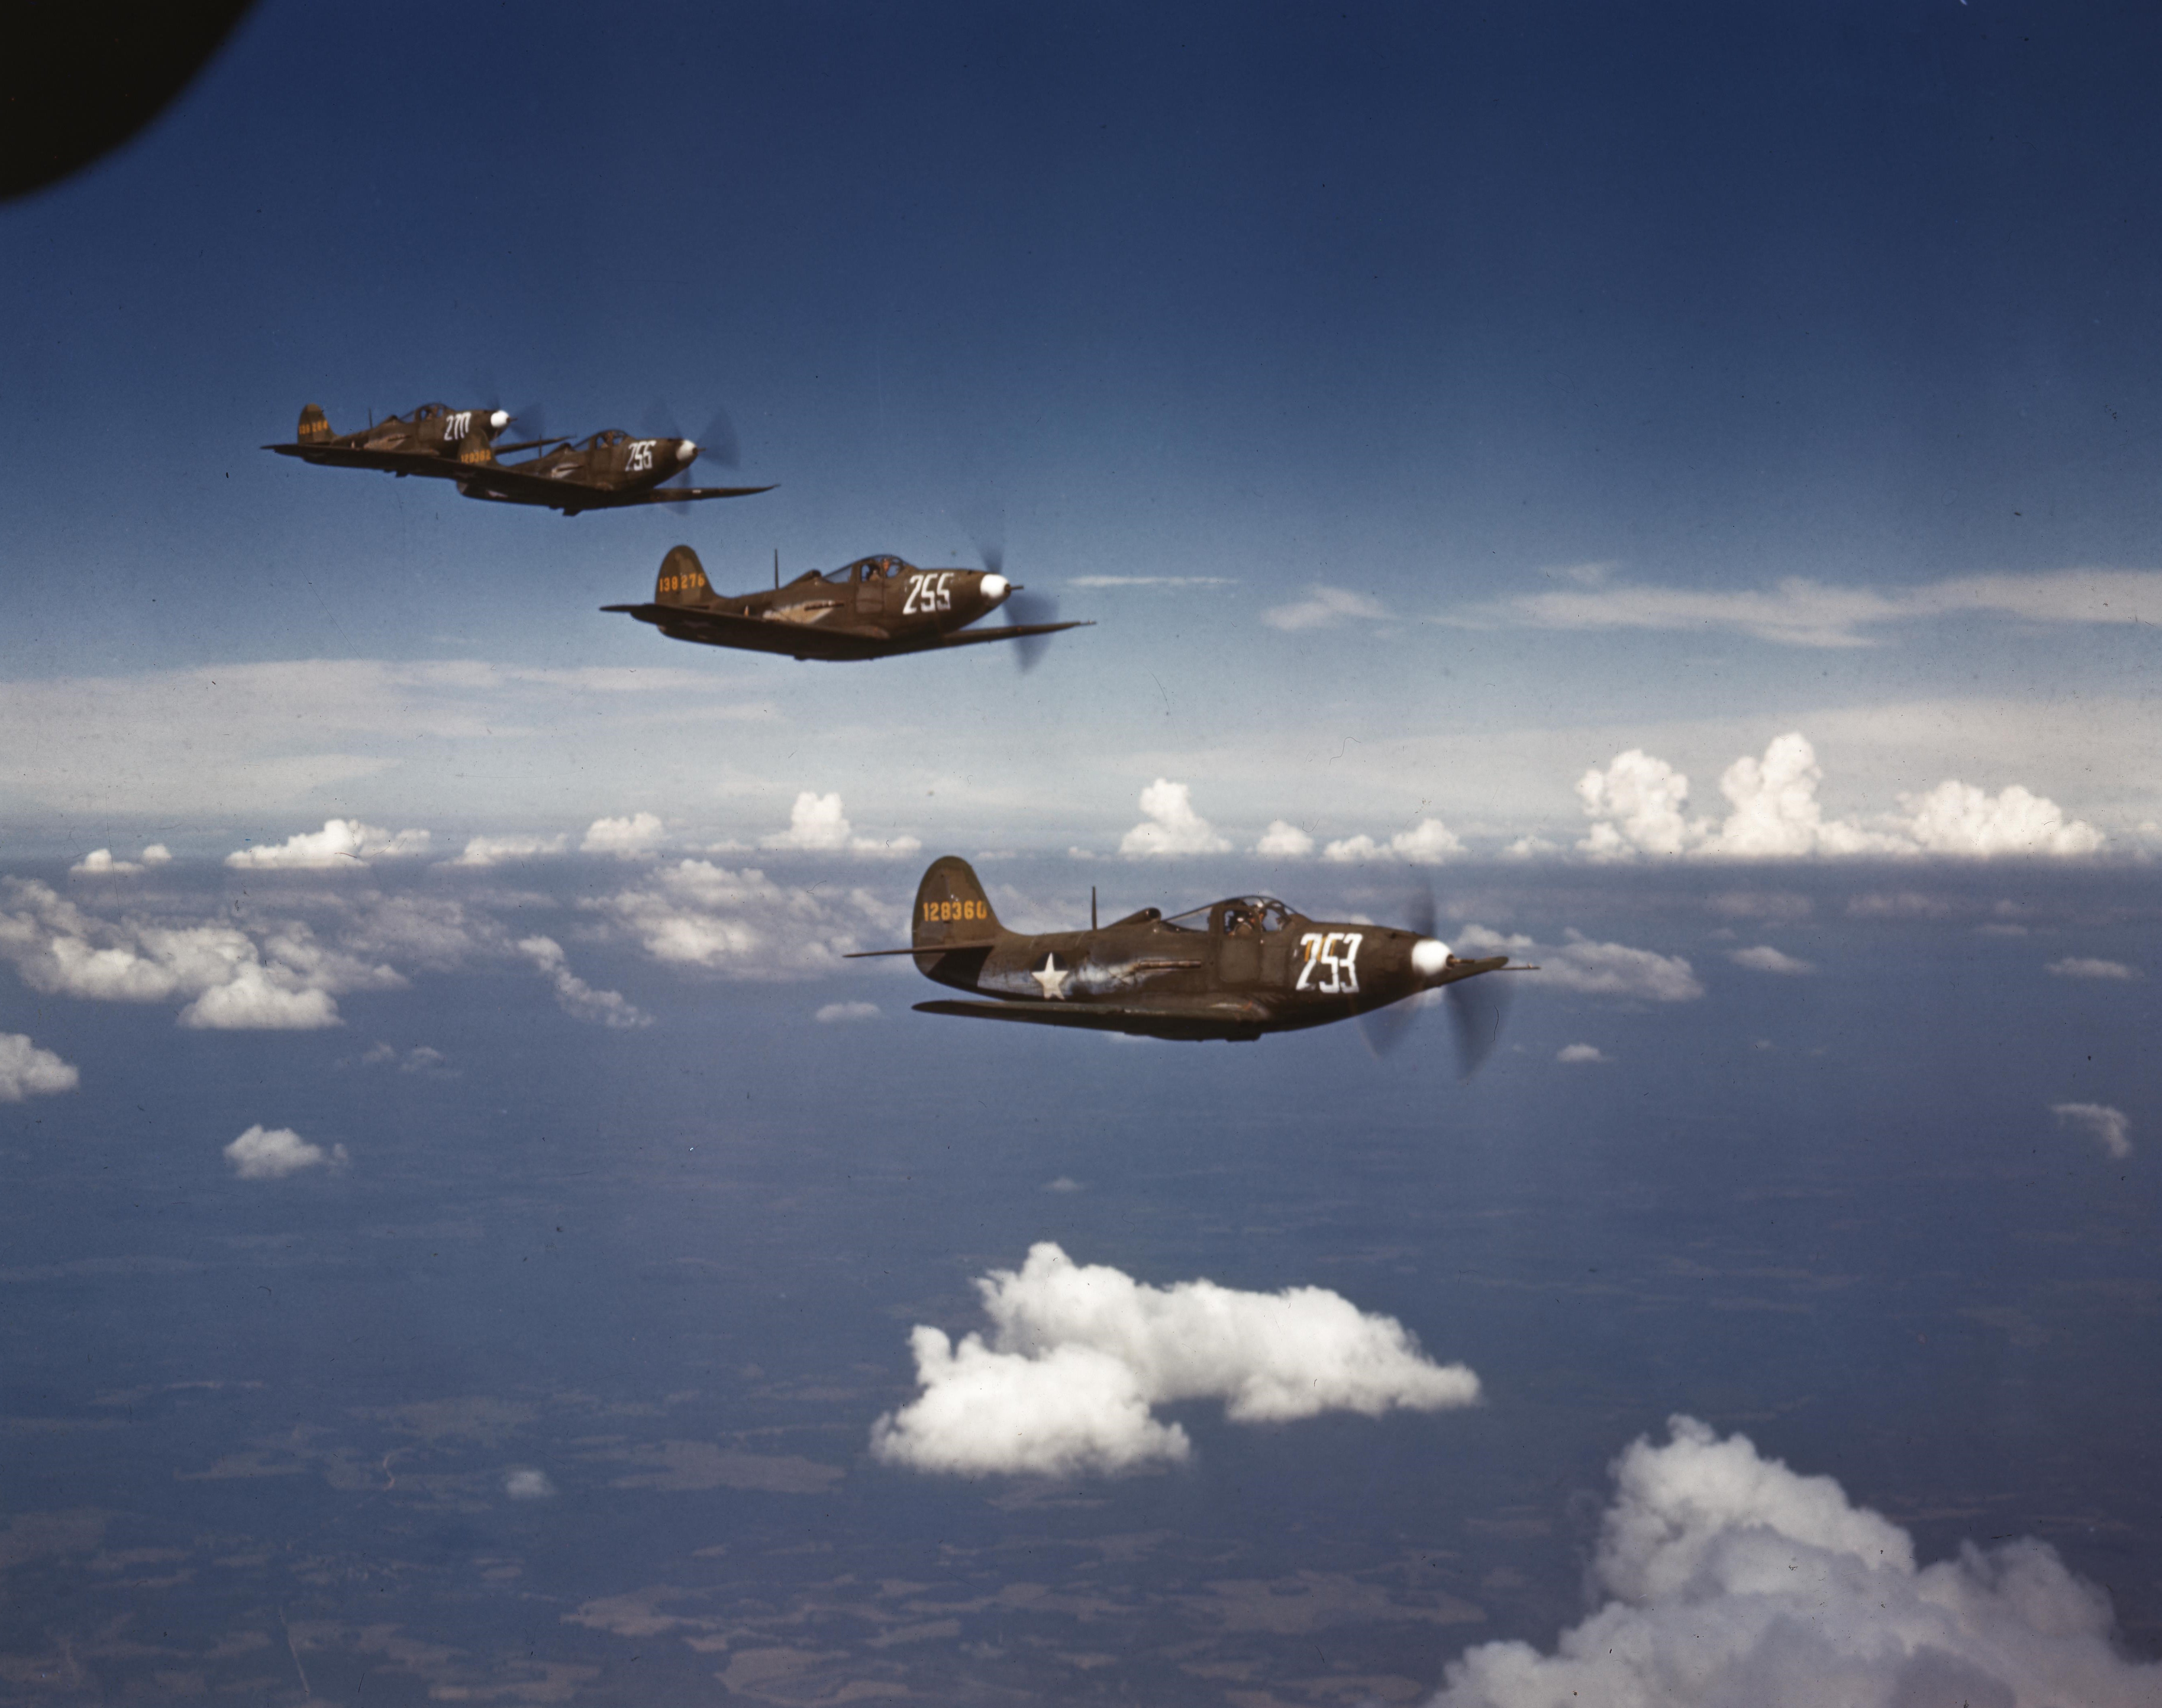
(927, 593)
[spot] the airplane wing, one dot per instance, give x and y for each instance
(757, 634)
(485, 480)
(1010, 631)
(678, 494)
(803, 640)
(386, 462)
(1228, 1017)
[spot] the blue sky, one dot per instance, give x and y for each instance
(1447, 315)
(1675, 484)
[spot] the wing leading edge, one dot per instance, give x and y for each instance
(1230, 1019)
(800, 640)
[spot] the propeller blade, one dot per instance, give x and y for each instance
(531, 422)
(1384, 1028)
(1023, 607)
(720, 440)
(717, 440)
(1476, 1008)
(1422, 911)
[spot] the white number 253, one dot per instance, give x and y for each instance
(1340, 976)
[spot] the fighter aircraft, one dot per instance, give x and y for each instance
(607, 472)
(433, 439)
(874, 608)
(1233, 969)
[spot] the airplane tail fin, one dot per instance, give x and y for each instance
(951, 908)
(314, 425)
(475, 448)
(682, 580)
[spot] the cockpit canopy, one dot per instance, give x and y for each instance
(606, 441)
(866, 569)
(1237, 916)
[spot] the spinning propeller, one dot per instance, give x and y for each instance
(1476, 1006)
(717, 441)
(1021, 606)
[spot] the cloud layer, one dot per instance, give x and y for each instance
(742, 923)
(251, 976)
(1079, 1357)
(1638, 805)
(1732, 1580)
(1798, 611)
(1592, 969)
(1324, 608)
(342, 842)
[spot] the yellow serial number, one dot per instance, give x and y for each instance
(681, 584)
(942, 912)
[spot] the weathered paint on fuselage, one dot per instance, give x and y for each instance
(874, 608)
(1237, 968)
(433, 439)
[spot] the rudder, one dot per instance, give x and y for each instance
(951, 908)
(682, 580)
(315, 425)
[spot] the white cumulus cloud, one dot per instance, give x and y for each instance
(742, 924)
(241, 973)
(2110, 1128)
(1323, 608)
(499, 850)
(342, 842)
(816, 824)
(1638, 805)
(1576, 1054)
(1426, 843)
(271, 1153)
(1730, 1579)
(1079, 1356)
(526, 1483)
(254, 999)
(627, 839)
(1170, 825)
(2089, 967)
(101, 862)
(1284, 840)
(27, 1071)
(835, 1013)
(1592, 968)
(1764, 958)
(1958, 819)
(575, 997)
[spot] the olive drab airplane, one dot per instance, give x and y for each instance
(1233, 969)
(433, 439)
(606, 471)
(875, 608)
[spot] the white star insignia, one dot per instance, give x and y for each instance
(1052, 977)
